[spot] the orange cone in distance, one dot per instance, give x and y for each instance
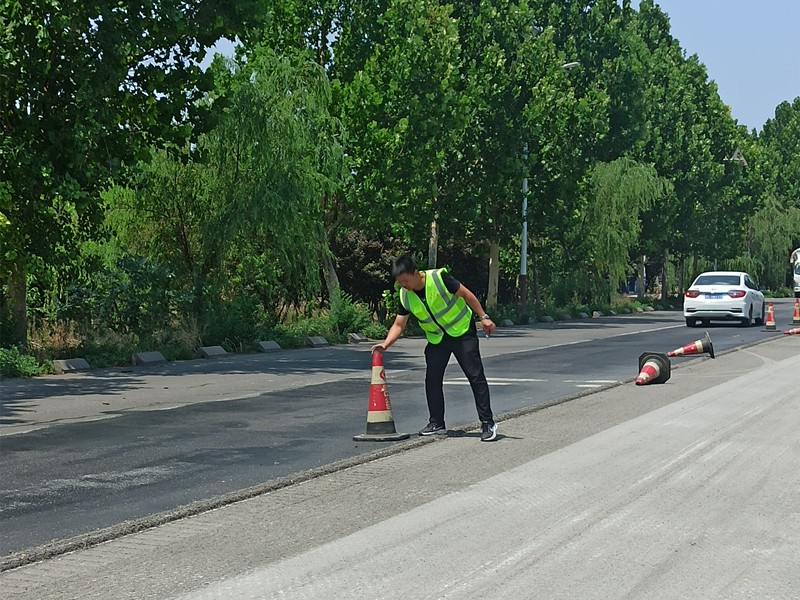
(380, 423)
(770, 322)
(795, 331)
(703, 346)
(653, 368)
(796, 316)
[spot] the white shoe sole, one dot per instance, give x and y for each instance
(494, 435)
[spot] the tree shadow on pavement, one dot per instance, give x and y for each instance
(335, 360)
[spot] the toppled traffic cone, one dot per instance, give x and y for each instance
(795, 331)
(653, 368)
(796, 316)
(380, 423)
(703, 346)
(769, 324)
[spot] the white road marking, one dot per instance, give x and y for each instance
(496, 381)
(467, 383)
(610, 337)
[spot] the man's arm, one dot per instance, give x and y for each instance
(475, 304)
(395, 331)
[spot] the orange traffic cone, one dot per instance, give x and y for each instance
(653, 368)
(380, 423)
(770, 322)
(795, 331)
(703, 346)
(796, 316)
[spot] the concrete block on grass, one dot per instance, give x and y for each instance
(507, 323)
(268, 346)
(356, 338)
(316, 341)
(547, 319)
(583, 315)
(148, 358)
(596, 314)
(71, 365)
(211, 351)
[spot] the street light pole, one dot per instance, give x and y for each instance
(523, 261)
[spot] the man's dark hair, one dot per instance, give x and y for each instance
(403, 264)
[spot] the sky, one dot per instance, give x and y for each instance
(751, 49)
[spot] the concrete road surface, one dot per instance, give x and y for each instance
(682, 490)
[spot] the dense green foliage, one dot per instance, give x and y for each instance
(148, 203)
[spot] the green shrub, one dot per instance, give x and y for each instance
(104, 348)
(14, 363)
(375, 331)
(347, 316)
(231, 324)
(292, 334)
(779, 293)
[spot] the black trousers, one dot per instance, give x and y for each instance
(468, 355)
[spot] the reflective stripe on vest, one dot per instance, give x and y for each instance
(444, 309)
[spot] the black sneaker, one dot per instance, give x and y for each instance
(488, 432)
(433, 428)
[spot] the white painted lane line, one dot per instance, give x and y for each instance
(516, 380)
(496, 381)
(609, 337)
(467, 383)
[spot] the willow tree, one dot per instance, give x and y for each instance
(239, 212)
(769, 236)
(84, 88)
(619, 192)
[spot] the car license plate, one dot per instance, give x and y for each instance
(714, 296)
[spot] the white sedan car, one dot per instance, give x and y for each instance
(723, 295)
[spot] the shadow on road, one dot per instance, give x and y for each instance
(100, 382)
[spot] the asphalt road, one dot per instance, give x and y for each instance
(61, 478)
(666, 492)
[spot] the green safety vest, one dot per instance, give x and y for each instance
(445, 310)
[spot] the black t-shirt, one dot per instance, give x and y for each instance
(451, 283)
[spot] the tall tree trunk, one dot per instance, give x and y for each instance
(665, 277)
(494, 274)
(18, 310)
(641, 276)
(329, 273)
(433, 245)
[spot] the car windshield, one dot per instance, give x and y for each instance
(717, 280)
(797, 269)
